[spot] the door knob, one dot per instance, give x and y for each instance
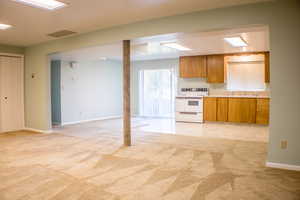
(5, 98)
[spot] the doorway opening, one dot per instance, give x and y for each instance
(209, 80)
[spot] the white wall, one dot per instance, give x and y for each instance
(90, 90)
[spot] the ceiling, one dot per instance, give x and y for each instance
(149, 48)
(31, 25)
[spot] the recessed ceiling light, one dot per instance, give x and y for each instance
(45, 4)
(4, 26)
(236, 41)
(175, 45)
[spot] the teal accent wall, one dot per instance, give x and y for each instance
(56, 92)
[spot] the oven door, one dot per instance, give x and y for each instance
(194, 105)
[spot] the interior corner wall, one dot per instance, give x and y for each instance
(90, 90)
(284, 39)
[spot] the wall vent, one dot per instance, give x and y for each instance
(61, 33)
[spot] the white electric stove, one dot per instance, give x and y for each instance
(189, 105)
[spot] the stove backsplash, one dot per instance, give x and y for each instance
(217, 89)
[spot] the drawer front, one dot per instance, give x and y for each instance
(189, 117)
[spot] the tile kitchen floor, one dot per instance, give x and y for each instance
(245, 132)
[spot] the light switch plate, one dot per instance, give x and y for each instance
(283, 144)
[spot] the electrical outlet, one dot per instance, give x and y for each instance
(283, 144)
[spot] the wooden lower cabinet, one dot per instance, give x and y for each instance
(210, 109)
(262, 111)
(237, 110)
(222, 109)
(242, 110)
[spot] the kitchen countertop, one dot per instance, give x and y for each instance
(239, 96)
(223, 96)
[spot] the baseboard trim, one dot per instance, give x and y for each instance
(90, 120)
(283, 166)
(38, 130)
(11, 131)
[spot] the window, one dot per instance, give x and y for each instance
(245, 73)
(157, 92)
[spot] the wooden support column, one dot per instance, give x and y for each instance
(126, 93)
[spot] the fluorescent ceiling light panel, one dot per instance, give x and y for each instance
(45, 4)
(175, 45)
(4, 26)
(236, 41)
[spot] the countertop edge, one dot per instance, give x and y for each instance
(237, 96)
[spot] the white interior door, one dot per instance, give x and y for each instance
(11, 93)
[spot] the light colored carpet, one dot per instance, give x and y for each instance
(157, 166)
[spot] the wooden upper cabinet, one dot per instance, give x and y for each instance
(192, 67)
(263, 111)
(242, 110)
(222, 109)
(215, 69)
(199, 63)
(267, 67)
(210, 109)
